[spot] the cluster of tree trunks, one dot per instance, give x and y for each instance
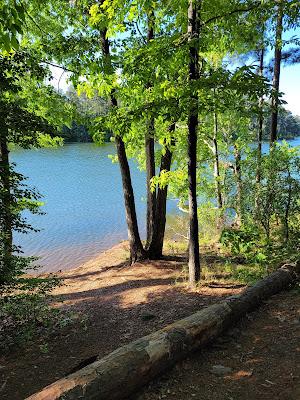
(156, 199)
(156, 245)
(123, 371)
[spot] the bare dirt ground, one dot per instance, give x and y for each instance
(116, 303)
(263, 353)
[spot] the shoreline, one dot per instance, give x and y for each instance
(116, 253)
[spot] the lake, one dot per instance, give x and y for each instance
(84, 206)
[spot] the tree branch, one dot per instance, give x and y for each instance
(59, 66)
(236, 11)
(138, 29)
(34, 22)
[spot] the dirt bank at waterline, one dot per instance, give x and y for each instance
(113, 303)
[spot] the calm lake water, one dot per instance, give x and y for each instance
(84, 205)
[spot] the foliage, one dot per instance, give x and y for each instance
(278, 194)
(288, 125)
(25, 312)
(12, 16)
(239, 241)
(149, 80)
(87, 126)
(30, 114)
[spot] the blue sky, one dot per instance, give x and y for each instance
(290, 85)
(289, 80)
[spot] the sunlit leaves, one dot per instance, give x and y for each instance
(12, 16)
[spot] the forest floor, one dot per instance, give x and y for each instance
(258, 359)
(112, 303)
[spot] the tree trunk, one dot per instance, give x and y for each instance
(136, 248)
(276, 73)
(119, 374)
(238, 179)
(287, 208)
(150, 155)
(259, 131)
(6, 216)
(216, 163)
(156, 245)
(260, 121)
(193, 36)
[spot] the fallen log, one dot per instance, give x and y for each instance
(126, 369)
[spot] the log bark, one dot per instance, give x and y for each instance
(123, 371)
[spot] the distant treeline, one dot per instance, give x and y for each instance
(88, 110)
(91, 108)
(80, 133)
(288, 125)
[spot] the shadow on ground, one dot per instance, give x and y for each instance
(114, 304)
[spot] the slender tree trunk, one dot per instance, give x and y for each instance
(193, 35)
(276, 73)
(260, 121)
(238, 178)
(6, 217)
(150, 154)
(136, 248)
(259, 131)
(156, 245)
(287, 208)
(217, 163)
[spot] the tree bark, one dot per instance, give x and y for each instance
(193, 37)
(119, 374)
(238, 178)
(6, 216)
(260, 120)
(287, 207)
(276, 73)
(259, 131)
(156, 245)
(136, 248)
(217, 163)
(150, 154)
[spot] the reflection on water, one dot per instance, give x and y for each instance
(83, 203)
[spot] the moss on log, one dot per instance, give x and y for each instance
(126, 369)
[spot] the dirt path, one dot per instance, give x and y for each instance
(119, 303)
(263, 353)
